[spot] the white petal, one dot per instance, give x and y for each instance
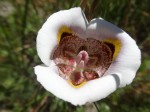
(73, 19)
(128, 60)
(92, 91)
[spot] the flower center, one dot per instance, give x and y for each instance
(80, 60)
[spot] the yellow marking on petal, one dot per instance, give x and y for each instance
(62, 30)
(78, 86)
(117, 44)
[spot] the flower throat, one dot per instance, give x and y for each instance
(80, 60)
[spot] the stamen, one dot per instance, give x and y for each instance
(90, 75)
(65, 70)
(76, 78)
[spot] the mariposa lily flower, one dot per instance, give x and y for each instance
(84, 61)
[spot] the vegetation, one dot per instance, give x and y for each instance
(20, 21)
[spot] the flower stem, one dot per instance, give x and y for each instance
(96, 107)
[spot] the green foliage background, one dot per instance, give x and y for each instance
(20, 21)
